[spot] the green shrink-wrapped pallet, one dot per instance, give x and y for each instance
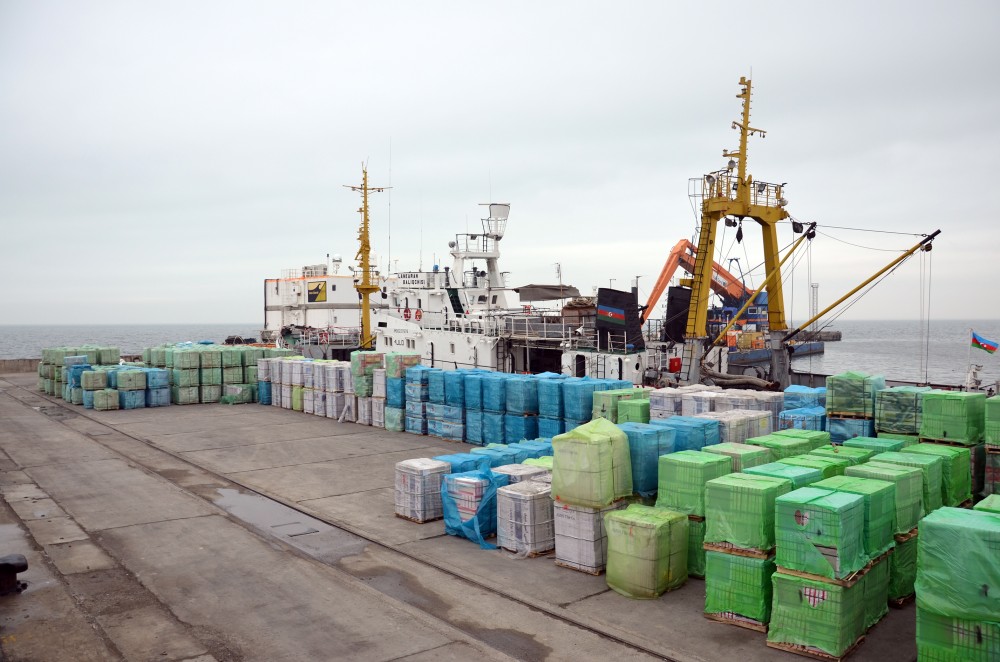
(184, 395)
(991, 429)
(907, 439)
(853, 393)
(212, 392)
(738, 585)
(739, 509)
(632, 411)
(827, 466)
(211, 376)
(782, 446)
(545, 461)
(875, 445)
(682, 478)
(956, 471)
(903, 569)
(821, 532)
(815, 437)
(186, 377)
(990, 504)
(744, 455)
(606, 402)
(232, 374)
(897, 409)
(131, 380)
(930, 468)
(880, 509)
(94, 380)
(800, 476)
(816, 614)
(854, 455)
(591, 465)
(106, 399)
(696, 548)
(958, 564)
(949, 639)
(210, 356)
(876, 588)
(954, 416)
(909, 491)
(647, 550)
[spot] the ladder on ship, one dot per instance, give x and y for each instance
(456, 303)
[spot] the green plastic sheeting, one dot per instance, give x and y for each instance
(212, 393)
(909, 491)
(212, 377)
(744, 455)
(949, 639)
(682, 478)
(184, 395)
(907, 439)
(930, 467)
(647, 550)
(131, 380)
(897, 409)
(633, 411)
(853, 455)
(876, 590)
(800, 476)
(880, 509)
(853, 393)
(782, 446)
(990, 504)
(106, 399)
(827, 466)
(956, 471)
(958, 564)
(696, 548)
(991, 430)
(606, 402)
(817, 614)
(545, 461)
(296, 397)
(816, 438)
(903, 569)
(954, 416)
(93, 380)
(821, 532)
(591, 465)
(739, 509)
(874, 445)
(738, 585)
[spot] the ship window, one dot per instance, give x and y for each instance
(452, 348)
(482, 298)
(333, 287)
(418, 304)
(494, 298)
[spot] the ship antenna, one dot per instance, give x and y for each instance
(366, 278)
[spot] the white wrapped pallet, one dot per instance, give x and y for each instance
(307, 374)
(364, 411)
(319, 403)
(276, 395)
(698, 402)
(378, 412)
(308, 400)
(331, 380)
(580, 539)
(334, 404)
(296, 372)
(378, 383)
(525, 518)
(418, 488)
(520, 472)
(738, 425)
(736, 399)
(349, 412)
(347, 379)
(264, 370)
(286, 396)
(319, 377)
(772, 402)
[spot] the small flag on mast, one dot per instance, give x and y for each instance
(982, 343)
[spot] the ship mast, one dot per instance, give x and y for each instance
(366, 277)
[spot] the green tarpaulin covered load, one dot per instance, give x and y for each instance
(105, 399)
(545, 462)
(990, 504)
(647, 550)
(683, 476)
(739, 509)
(821, 532)
(991, 429)
(744, 455)
(93, 380)
(958, 564)
(591, 465)
(696, 548)
(907, 439)
(956, 471)
(949, 639)
(909, 491)
(816, 614)
(606, 402)
(828, 466)
(782, 446)
(876, 588)
(880, 509)
(930, 468)
(897, 409)
(954, 416)
(903, 569)
(875, 445)
(633, 411)
(800, 476)
(854, 455)
(738, 585)
(853, 393)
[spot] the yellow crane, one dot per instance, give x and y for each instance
(365, 277)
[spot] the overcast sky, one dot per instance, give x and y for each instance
(158, 161)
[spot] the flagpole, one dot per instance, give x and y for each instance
(968, 368)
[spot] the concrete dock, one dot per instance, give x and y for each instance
(247, 532)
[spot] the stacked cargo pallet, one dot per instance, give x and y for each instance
(898, 409)
(958, 419)
(647, 551)
(667, 402)
(53, 370)
(738, 425)
(417, 395)
(551, 415)
(850, 405)
(646, 443)
(991, 433)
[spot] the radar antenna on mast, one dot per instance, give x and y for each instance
(366, 277)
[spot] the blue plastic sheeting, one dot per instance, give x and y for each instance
(798, 397)
(416, 425)
(550, 427)
(578, 398)
(646, 443)
(74, 374)
(454, 387)
(474, 426)
(493, 428)
(518, 428)
(452, 431)
(821, 392)
(570, 423)
(395, 392)
(417, 374)
(131, 399)
(483, 524)
(537, 447)
(157, 378)
(522, 395)
(160, 397)
(432, 410)
(263, 393)
(462, 462)
(88, 399)
(550, 398)
(435, 385)
(692, 434)
(549, 375)
(415, 393)
(495, 393)
(474, 390)
(416, 408)
(498, 456)
(805, 418)
(112, 377)
(842, 429)
(520, 453)
(452, 414)
(434, 427)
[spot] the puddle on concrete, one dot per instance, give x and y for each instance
(404, 587)
(514, 643)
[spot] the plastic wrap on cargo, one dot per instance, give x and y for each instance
(897, 409)
(827, 466)
(131, 399)
(799, 476)
(498, 456)
(945, 637)
(395, 392)
(88, 399)
(977, 466)
(415, 392)
(362, 386)
(646, 443)
(416, 425)
(130, 380)
(738, 425)
(378, 412)
(394, 419)
(773, 403)
(157, 378)
(578, 398)
(364, 413)
(953, 416)
(525, 517)
(633, 411)
(544, 461)
(210, 376)
(474, 426)
(454, 387)
(550, 427)
(876, 589)
(842, 429)
(210, 357)
(874, 445)
(581, 539)
(493, 428)
(522, 395)
(647, 551)
(991, 504)
(698, 402)
(157, 397)
(212, 392)
(520, 453)
(435, 385)
(909, 499)
(250, 375)
(821, 532)
(469, 504)
(74, 374)
(264, 370)
(930, 468)
(956, 471)
(397, 364)
(605, 403)
(816, 614)
(903, 569)
(798, 397)
(473, 385)
(808, 418)
(518, 428)
(550, 398)
(238, 393)
(851, 454)
(691, 433)
(696, 548)
(739, 509)
(880, 509)
(378, 383)
(106, 399)
(682, 477)
(991, 429)
(592, 466)
(782, 446)
(744, 455)
(853, 393)
(112, 373)
(536, 447)
(183, 395)
(494, 392)
(816, 438)
(738, 586)
(93, 380)
(431, 409)
(364, 363)
(76, 395)
(264, 393)
(415, 375)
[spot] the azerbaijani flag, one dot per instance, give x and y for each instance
(617, 315)
(982, 343)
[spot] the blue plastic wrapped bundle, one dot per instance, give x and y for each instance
(520, 453)
(646, 443)
(264, 393)
(417, 375)
(799, 397)
(434, 427)
(692, 434)
(821, 394)
(469, 502)
(806, 418)
(842, 429)
(74, 372)
(157, 397)
(415, 393)
(550, 427)
(550, 398)
(495, 392)
(435, 385)
(570, 423)
(88, 399)
(431, 409)
(452, 431)
(131, 399)
(452, 414)
(157, 378)
(395, 418)
(499, 454)
(395, 392)
(493, 428)
(416, 408)
(474, 426)
(416, 425)
(462, 462)
(536, 447)
(112, 376)
(578, 398)
(454, 387)
(474, 390)
(518, 428)
(522, 395)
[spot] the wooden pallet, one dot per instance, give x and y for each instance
(530, 555)
(946, 442)
(729, 618)
(419, 521)
(965, 504)
(696, 518)
(899, 603)
(904, 537)
(849, 414)
(585, 570)
(846, 582)
(815, 653)
(992, 450)
(728, 548)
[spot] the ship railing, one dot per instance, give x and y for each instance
(724, 183)
(475, 243)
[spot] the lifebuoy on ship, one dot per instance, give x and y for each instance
(406, 313)
(417, 314)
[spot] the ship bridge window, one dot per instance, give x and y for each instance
(482, 298)
(494, 298)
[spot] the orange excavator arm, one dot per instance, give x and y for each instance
(683, 255)
(669, 267)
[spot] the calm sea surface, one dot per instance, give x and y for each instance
(893, 349)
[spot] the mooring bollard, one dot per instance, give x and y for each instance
(10, 565)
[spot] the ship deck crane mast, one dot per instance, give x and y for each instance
(365, 277)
